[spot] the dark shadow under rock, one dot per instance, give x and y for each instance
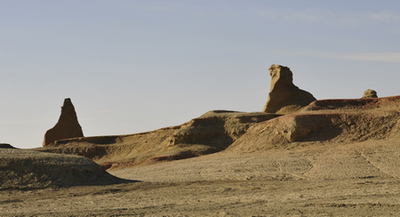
(5, 145)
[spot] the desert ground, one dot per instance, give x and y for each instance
(345, 180)
(332, 158)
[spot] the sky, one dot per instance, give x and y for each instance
(133, 66)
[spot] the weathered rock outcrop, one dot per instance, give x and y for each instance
(66, 127)
(212, 132)
(329, 121)
(284, 97)
(370, 94)
(217, 129)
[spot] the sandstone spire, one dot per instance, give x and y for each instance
(66, 127)
(284, 97)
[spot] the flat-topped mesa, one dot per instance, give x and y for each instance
(66, 127)
(284, 97)
(370, 94)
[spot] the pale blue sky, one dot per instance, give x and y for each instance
(135, 66)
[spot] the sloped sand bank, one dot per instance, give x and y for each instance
(316, 181)
(25, 169)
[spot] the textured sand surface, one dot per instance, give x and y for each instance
(333, 158)
(354, 197)
(370, 159)
(342, 180)
(26, 169)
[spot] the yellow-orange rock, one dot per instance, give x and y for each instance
(284, 97)
(370, 94)
(66, 127)
(212, 132)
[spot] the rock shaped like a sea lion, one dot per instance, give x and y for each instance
(284, 97)
(370, 94)
(66, 127)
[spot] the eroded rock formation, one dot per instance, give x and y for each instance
(284, 97)
(66, 127)
(217, 129)
(212, 132)
(342, 121)
(370, 94)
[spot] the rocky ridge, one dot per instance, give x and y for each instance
(328, 121)
(212, 132)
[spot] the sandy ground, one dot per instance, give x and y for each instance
(366, 197)
(341, 180)
(334, 158)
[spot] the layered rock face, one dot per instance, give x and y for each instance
(66, 127)
(284, 97)
(217, 129)
(212, 132)
(370, 94)
(342, 121)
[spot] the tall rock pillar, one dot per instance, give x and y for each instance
(66, 127)
(284, 97)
